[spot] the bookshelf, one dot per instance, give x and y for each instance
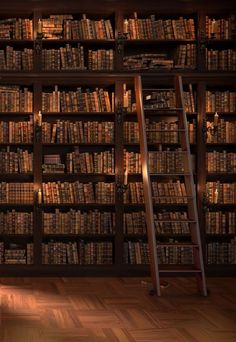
(81, 53)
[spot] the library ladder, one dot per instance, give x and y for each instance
(197, 267)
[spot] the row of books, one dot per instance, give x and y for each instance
(225, 132)
(185, 58)
(220, 222)
(64, 58)
(221, 101)
(101, 59)
(134, 222)
(174, 254)
(158, 132)
(66, 27)
(16, 254)
(16, 28)
(221, 252)
(78, 222)
(11, 59)
(97, 222)
(98, 100)
(20, 161)
(78, 132)
(224, 60)
(17, 132)
(222, 193)
(159, 161)
(76, 162)
(15, 99)
(221, 161)
(16, 192)
(159, 99)
(137, 252)
(87, 162)
(152, 28)
(74, 58)
(220, 28)
(169, 192)
(14, 222)
(166, 98)
(82, 253)
(76, 192)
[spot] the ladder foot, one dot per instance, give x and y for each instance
(152, 292)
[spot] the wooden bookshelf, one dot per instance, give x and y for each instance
(195, 71)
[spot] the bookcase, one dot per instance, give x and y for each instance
(70, 160)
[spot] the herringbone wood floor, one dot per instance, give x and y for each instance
(115, 309)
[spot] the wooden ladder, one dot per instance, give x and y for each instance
(197, 268)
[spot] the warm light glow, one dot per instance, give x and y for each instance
(216, 195)
(125, 26)
(39, 196)
(40, 118)
(126, 177)
(40, 26)
(216, 118)
(126, 97)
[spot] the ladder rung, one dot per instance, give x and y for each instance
(173, 197)
(163, 110)
(170, 174)
(182, 221)
(179, 270)
(166, 130)
(177, 244)
(157, 89)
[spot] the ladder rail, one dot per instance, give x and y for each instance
(190, 187)
(198, 267)
(147, 190)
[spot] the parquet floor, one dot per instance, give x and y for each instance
(115, 309)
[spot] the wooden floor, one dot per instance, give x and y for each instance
(115, 309)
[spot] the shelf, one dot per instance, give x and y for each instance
(221, 144)
(221, 176)
(77, 113)
(226, 236)
(134, 42)
(176, 244)
(78, 144)
(70, 177)
(160, 71)
(17, 42)
(19, 206)
(47, 42)
(154, 144)
(16, 176)
(78, 205)
(16, 144)
(16, 113)
(215, 42)
(178, 269)
(156, 205)
(221, 205)
(159, 235)
(79, 236)
(221, 113)
(39, 80)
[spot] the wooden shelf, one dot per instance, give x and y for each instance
(38, 80)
